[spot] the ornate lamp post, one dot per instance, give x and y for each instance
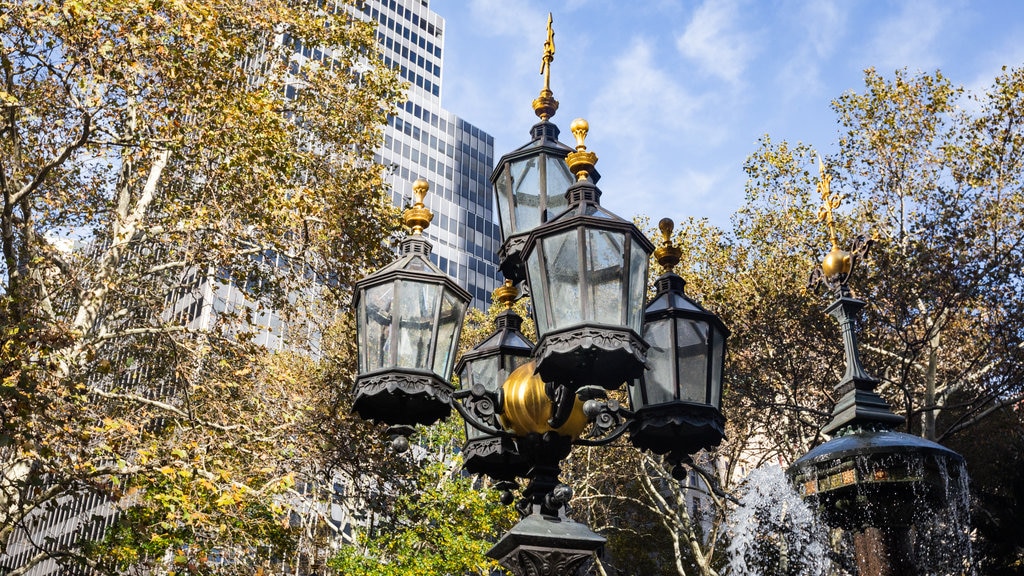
(869, 479)
(409, 316)
(525, 406)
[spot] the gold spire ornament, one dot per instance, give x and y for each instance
(581, 162)
(545, 105)
(836, 268)
(505, 294)
(418, 217)
(667, 255)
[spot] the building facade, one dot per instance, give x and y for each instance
(426, 141)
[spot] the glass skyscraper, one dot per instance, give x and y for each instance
(426, 141)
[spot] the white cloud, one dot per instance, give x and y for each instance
(714, 41)
(910, 38)
(820, 28)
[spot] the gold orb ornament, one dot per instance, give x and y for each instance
(527, 407)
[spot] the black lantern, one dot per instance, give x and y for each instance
(587, 274)
(677, 400)
(409, 317)
(530, 182)
(529, 185)
(481, 372)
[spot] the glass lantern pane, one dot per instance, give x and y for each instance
(503, 203)
(538, 295)
(376, 328)
(417, 305)
(509, 365)
(562, 264)
(659, 379)
(558, 181)
(692, 358)
(605, 267)
(638, 267)
(484, 371)
(526, 194)
(717, 359)
(448, 324)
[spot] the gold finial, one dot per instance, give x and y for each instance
(581, 162)
(505, 294)
(667, 255)
(545, 105)
(838, 263)
(418, 217)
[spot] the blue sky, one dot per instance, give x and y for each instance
(677, 93)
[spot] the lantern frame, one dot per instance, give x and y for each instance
(678, 423)
(589, 347)
(494, 455)
(552, 178)
(399, 387)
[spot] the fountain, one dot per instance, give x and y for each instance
(900, 501)
(773, 530)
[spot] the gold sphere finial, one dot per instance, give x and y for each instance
(667, 226)
(506, 294)
(527, 407)
(667, 255)
(581, 162)
(545, 105)
(418, 217)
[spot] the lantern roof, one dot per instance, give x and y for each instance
(413, 262)
(506, 336)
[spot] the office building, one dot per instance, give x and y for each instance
(426, 141)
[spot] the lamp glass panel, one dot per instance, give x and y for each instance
(659, 379)
(561, 259)
(692, 359)
(559, 178)
(503, 204)
(526, 194)
(605, 269)
(448, 323)
(484, 371)
(376, 328)
(717, 360)
(509, 363)
(638, 267)
(417, 304)
(538, 291)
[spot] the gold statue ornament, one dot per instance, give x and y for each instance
(837, 266)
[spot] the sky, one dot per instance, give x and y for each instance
(677, 93)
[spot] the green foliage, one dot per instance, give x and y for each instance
(443, 523)
(160, 195)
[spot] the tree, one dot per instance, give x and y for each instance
(178, 183)
(443, 523)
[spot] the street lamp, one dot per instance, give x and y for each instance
(530, 182)
(409, 316)
(677, 400)
(481, 372)
(525, 406)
